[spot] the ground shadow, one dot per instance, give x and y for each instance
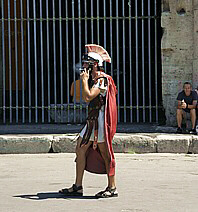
(52, 195)
(75, 128)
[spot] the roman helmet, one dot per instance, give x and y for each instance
(97, 54)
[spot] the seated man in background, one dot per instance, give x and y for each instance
(77, 91)
(187, 101)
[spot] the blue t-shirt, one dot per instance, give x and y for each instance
(188, 99)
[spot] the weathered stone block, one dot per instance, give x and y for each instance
(178, 44)
(195, 72)
(194, 145)
(196, 21)
(133, 143)
(25, 144)
(173, 143)
(66, 143)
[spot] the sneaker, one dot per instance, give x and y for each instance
(193, 131)
(179, 130)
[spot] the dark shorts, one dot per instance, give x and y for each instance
(187, 110)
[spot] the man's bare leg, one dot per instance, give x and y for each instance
(105, 155)
(77, 189)
(80, 161)
(179, 117)
(111, 190)
(193, 117)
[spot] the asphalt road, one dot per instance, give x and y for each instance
(145, 182)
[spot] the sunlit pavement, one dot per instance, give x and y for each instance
(145, 182)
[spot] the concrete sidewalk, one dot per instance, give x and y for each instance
(145, 183)
(130, 138)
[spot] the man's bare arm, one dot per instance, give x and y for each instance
(183, 105)
(88, 94)
(193, 106)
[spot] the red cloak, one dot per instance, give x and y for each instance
(94, 160)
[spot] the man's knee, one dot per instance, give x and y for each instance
(193, 111)
(80, 152)
(79, 140)
(179, 111)
(104, 151)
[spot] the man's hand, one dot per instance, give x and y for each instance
(183, 104)
(85, 74)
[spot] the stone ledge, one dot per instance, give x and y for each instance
(193, 148)
(137, 143)
(122, 143)
(173, 143)
(64, 143)
(25, 144)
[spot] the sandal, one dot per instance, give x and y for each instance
(73, 191)
(108, 192)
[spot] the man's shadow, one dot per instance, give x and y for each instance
(52, 195)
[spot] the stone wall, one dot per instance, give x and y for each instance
(179, 46)
(179, 51)
(195, 35)
(1, 70)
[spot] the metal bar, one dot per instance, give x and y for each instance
(86, 39)
(118, 63)
(156, 59)
(143, 68)
(48, 61)
(136, 52)
(80, 56)
(10, 61)
(124, 59)
(92, 35)
(85, 5)
(4, 66)
(54, 45)
(88, 18)
(149, 58)
(74, 53)
(42, 78)
(35, 63)
(16, 63)
(130, 66)
(29, 67)
(98, 26)
(61, 60)
(67, 58)
(58, 106)
(105, 33)
(111, 37)
(23, 71)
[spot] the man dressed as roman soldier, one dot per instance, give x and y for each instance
(94, 151)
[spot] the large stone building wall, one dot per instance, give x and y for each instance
(179, 51)
(1, 71)
(195, 46)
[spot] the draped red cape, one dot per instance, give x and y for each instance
(94, 161)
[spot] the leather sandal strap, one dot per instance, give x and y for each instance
(76, 188)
